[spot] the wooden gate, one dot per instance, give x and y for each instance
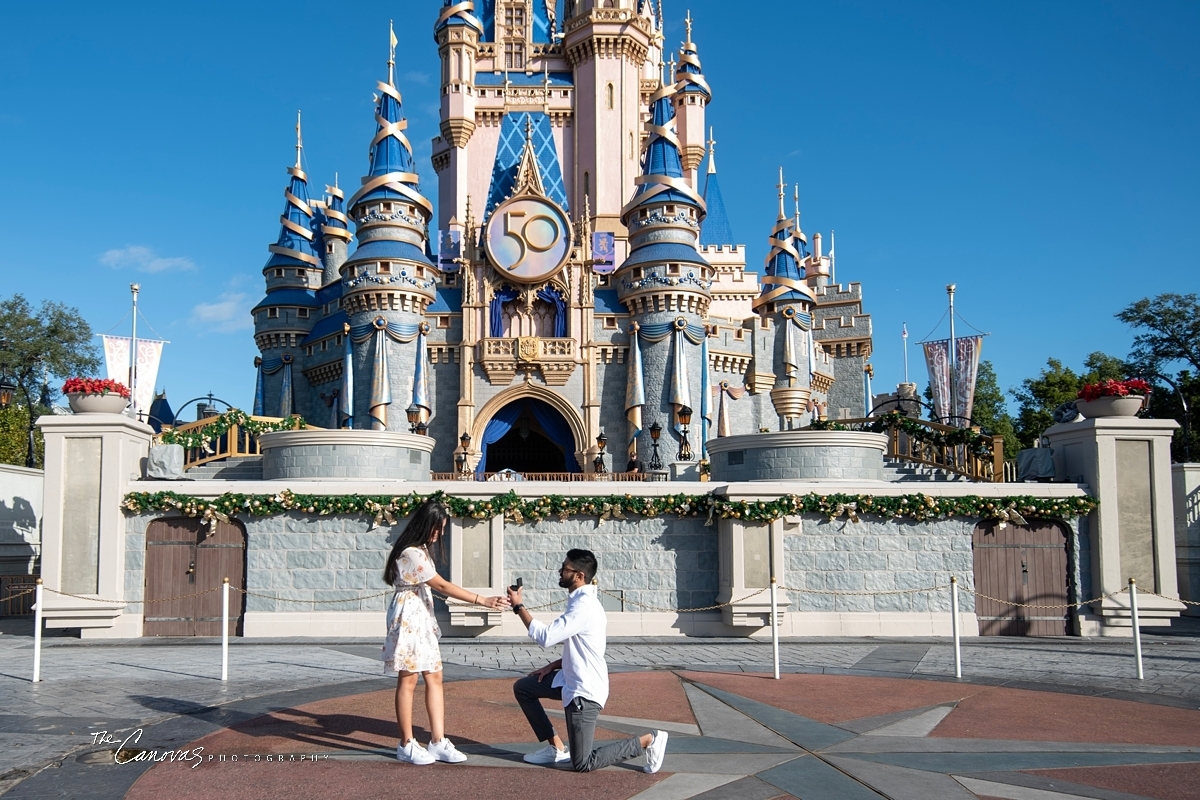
(1021, 564)
(183, 559)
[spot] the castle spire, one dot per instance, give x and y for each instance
(299, 139)
(690, 76)
(662, 164)
(783, 281)
(712, 152)
(294, 247)
(715, 230)
(797, 232)
(392, 42)
(781, 186)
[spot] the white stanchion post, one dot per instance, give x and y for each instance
(225, 630)
(37, 631)
(1137, 633)
(774, 629)
(954, 626)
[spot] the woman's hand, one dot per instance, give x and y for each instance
(496, 603)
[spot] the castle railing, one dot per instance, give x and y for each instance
(570, 477)
(228, 439)
(968, 452)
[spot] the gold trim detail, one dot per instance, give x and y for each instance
(296, 254)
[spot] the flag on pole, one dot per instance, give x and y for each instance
(393, 40)
(904, 330)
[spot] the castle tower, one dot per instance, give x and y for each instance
(457, 33)
(665, 283)
(388, 281)
(606, 44)
(285, 315)
(786, 301)
(335, 234)
(692, 96)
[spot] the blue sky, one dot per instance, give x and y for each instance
(1042, 156)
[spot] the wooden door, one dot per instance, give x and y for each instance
(1021, 564)
(183, 558)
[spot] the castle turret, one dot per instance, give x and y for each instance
(457, 33)
(692, 97)
(335, 234)
(284, 317)
(389, 280)
(665, 283)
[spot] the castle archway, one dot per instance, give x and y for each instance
(528, 429)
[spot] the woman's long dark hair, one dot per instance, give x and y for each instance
(427, 520)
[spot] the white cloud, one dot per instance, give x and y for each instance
(228, 313)
(420, 78)
(143, 259)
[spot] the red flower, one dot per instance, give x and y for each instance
(95, 386)
(1111, 388)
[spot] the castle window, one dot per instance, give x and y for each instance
(325, 345)
(514, 20)
(672, 269)
(450, 279)
(443, 322)
(387, 208)
(671, 210)
(278, 273)
(602, 280)
(302, 313)
(608, 95)
(338, 339)
(329, 247)
(308, 351)
(385, 268)
(514, 55)
(610, 323)
(272, 313)
(739, 334)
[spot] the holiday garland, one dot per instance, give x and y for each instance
(219, 426)
(381, 508)
(978, 444)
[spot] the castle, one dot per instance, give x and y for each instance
(581, 277)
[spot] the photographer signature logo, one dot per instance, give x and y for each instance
(128, 752)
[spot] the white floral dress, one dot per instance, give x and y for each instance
(413, 633)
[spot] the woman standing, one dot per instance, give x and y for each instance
(411, 647)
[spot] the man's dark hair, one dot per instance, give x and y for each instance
(584, 561)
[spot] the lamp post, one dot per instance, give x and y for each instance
(461, 458)
(414, 416)
(685, 418)
(7, 388)
(598, 464)
(655, 461)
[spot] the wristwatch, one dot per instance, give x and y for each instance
(517, 608)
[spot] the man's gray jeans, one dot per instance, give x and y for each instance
(581, 725)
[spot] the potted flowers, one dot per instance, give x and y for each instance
(1112, 398)
(96, 396)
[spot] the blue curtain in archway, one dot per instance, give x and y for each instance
(552, 422)
(552, 296)
(496, 310)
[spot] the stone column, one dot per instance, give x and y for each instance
(477, 565)
(91, 459)
(1186, 479)
(745, 552)
(1126, 463)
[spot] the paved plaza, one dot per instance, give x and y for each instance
(851, 718)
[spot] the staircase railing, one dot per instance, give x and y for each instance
(573, 477)
(969, 452)
(230, 435)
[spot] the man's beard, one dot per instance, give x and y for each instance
(565, 583)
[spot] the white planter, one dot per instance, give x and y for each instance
(97, 403)
(1127, 406)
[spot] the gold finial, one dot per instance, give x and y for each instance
(712, 155)
(392, 42)
(687, 23)
(671, 74)
(528, 129)
(781, 186)
(796, 202)
(335, 181)
(299, 140)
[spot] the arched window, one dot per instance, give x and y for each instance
(608, 95)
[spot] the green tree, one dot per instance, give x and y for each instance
(1057, 384)
(38, 349)
(1166, 352)
(989, 411)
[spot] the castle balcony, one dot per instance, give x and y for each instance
(503, 358)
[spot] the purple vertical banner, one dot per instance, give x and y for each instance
(604, 251)
(449, 250)
(967, 352)
(937, 359)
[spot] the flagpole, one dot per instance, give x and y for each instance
(904, 336)
(953, 361)
(134, 288)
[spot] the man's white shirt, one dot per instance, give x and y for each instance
(582, 630)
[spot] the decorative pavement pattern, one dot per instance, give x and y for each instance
(863, 718)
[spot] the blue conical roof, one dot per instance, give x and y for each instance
(783, 281)
(715, 230)
(392, 175)
(456, 13)
(294, 246)
(662, 167)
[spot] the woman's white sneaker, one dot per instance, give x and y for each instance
(446, 751)
(656, 752)
(413, 753)
(548, 755)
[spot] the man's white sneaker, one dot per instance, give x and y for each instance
(413, 753)
(446, 751)
(656, 752)
(548, 755)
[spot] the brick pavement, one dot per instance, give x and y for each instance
(92, 685)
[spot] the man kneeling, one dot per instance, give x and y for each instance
(579, 678)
